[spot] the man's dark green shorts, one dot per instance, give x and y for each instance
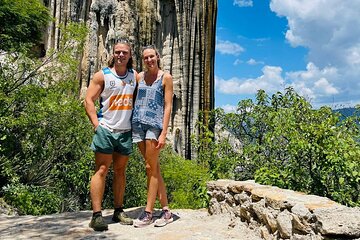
(105, 141)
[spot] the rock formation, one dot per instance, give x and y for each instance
(182, 30)
(282, 213)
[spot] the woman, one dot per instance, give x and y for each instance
(151, 116)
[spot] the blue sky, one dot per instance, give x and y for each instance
(311, 45)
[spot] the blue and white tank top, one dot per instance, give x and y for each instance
(149, 103)
(116, 100)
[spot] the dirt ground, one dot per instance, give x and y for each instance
(187, 225)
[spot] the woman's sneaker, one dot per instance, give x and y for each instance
(98, 223)
(166, 217)
(144, 220)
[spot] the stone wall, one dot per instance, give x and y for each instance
(283, 214)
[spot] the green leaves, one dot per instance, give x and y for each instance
(45, 133)
(289, 144)
(21, 23)
(185, 181)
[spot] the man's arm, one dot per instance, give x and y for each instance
(92, 94)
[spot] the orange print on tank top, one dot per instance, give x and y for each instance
(121, 102)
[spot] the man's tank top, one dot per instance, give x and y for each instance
(149, 104)
(116, 100)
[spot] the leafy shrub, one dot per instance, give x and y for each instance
(185, 181)
(45, 132)
(289, 144)
(21, 23)
(215, 152)
(32, 199)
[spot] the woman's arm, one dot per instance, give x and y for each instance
(168, 97)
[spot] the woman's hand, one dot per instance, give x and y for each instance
(161, 141)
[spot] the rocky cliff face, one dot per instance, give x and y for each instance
(182, 30)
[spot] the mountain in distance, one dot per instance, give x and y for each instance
(347, 112)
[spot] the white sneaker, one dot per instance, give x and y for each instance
(144, 220)
(166, 217)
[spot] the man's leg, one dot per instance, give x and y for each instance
(97, 187)
(97, 184)
(119, 181)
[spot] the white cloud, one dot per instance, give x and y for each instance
(227, 47)
(243, 3)
(252, 61)
(314, 83)
(328, 30)
(323, 85)
(237, 62)
(270, 81)
(229, 108)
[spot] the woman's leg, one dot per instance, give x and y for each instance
(162, 189)
(151, 159)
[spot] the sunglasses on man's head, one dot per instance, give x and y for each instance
(122, 40)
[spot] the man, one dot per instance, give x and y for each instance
(112, 142)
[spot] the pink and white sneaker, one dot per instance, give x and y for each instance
(166, 217)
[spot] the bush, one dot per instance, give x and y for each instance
(215, 152)
(44, 130)
(31, 199)
(185, 181)
(22, 23)
(289, 144)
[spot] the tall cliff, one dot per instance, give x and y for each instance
(182, 30)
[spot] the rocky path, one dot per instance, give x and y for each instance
(188, 225)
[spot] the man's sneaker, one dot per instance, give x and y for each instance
(166, 217)
(98, 223)
(144, 220)
(122, 217)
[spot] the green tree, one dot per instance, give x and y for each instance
(45, 132)
(216, 152)
(22, 23)
(289, 144)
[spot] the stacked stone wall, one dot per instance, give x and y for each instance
(283, 214)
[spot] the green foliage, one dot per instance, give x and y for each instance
(185, 181)
(289, 144)
(45, 132)
(218, 156)
(32, 200)
(21, 23)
